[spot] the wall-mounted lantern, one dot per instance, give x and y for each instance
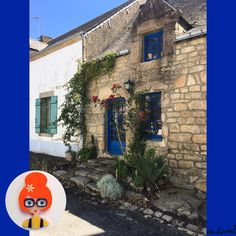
(129, 85)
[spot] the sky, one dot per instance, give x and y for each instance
(55, 17)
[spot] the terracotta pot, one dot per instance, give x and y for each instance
(69, 156)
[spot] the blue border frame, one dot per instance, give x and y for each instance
(15, 102)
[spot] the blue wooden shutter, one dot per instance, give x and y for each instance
(37, 115)
(53, 115)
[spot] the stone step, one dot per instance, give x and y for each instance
(104, 169)
(82, 172)
(109, 162)
(94, 176)
(92, 187)
(59, 173)
(80, 181)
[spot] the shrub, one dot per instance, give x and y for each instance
(89, 152)
(121, 169)
(149, 169)
(109, 187)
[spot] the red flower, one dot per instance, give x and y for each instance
(111, 96)
(115, 87)
(141, 114)
(95, 99)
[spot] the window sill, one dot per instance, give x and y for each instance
(45, 135)
(154, 59)
(157, 139)
(147, 65)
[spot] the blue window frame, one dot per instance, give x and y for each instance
(153, 45)
(153, 109)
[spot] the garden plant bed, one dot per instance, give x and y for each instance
(180, 208)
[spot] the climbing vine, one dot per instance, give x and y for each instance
(72, 116)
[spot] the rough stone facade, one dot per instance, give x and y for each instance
(180, 76)
(97, 40)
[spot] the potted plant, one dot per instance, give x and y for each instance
(69, 154)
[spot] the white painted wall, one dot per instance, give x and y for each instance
(48, 74)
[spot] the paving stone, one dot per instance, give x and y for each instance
(141, 209)
(190, 232)
(82, 172)
(104, 201)
(167, 218)
(192, 227)
(133, 208)
(121, 214)
(158, 214)
(94, 176)
(80, 180)
(58, 173)
(147, 216)
(159, 220)
(178, 223)
(126, 204)
(182, 229)
(148, 211)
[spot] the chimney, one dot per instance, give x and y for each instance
(45, 39)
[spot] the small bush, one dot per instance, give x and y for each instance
(121, 169)
(89, 152)
(109, 187)
(149, 169)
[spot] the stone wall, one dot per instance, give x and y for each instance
(180, 75)
(96, 41)
(185, 113)
(48, 163)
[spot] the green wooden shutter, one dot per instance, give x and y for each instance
(53, 115)
(37, 115)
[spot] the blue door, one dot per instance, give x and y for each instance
(116, 131)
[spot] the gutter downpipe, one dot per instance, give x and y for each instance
(83, 45)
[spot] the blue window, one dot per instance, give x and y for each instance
(153, 109)
(153, 45)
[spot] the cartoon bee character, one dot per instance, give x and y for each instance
(34, 199)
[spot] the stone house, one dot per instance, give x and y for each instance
(54, 65)
(164, 51)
